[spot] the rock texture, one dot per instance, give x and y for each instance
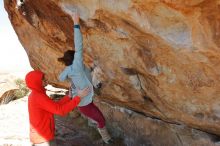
(152, 132)
(157, 57)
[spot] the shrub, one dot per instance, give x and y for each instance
(22, 88)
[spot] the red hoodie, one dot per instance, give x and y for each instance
(41, 109)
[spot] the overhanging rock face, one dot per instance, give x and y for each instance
(157, 57)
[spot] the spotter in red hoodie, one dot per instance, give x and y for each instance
(42, 109)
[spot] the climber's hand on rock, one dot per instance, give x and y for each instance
(75, 17)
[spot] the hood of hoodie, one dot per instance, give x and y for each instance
(34, 81)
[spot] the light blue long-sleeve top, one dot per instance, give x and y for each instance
(78, 73)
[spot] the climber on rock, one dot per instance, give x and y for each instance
(80, 77)
(42, 109)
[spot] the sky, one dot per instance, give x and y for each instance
(13, 57)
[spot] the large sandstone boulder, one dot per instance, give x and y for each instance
(156, 57)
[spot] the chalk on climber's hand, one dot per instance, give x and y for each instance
(70, 9)
(19, 3)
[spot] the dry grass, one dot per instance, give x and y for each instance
(22, 88)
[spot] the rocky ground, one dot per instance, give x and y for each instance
(72, 130)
